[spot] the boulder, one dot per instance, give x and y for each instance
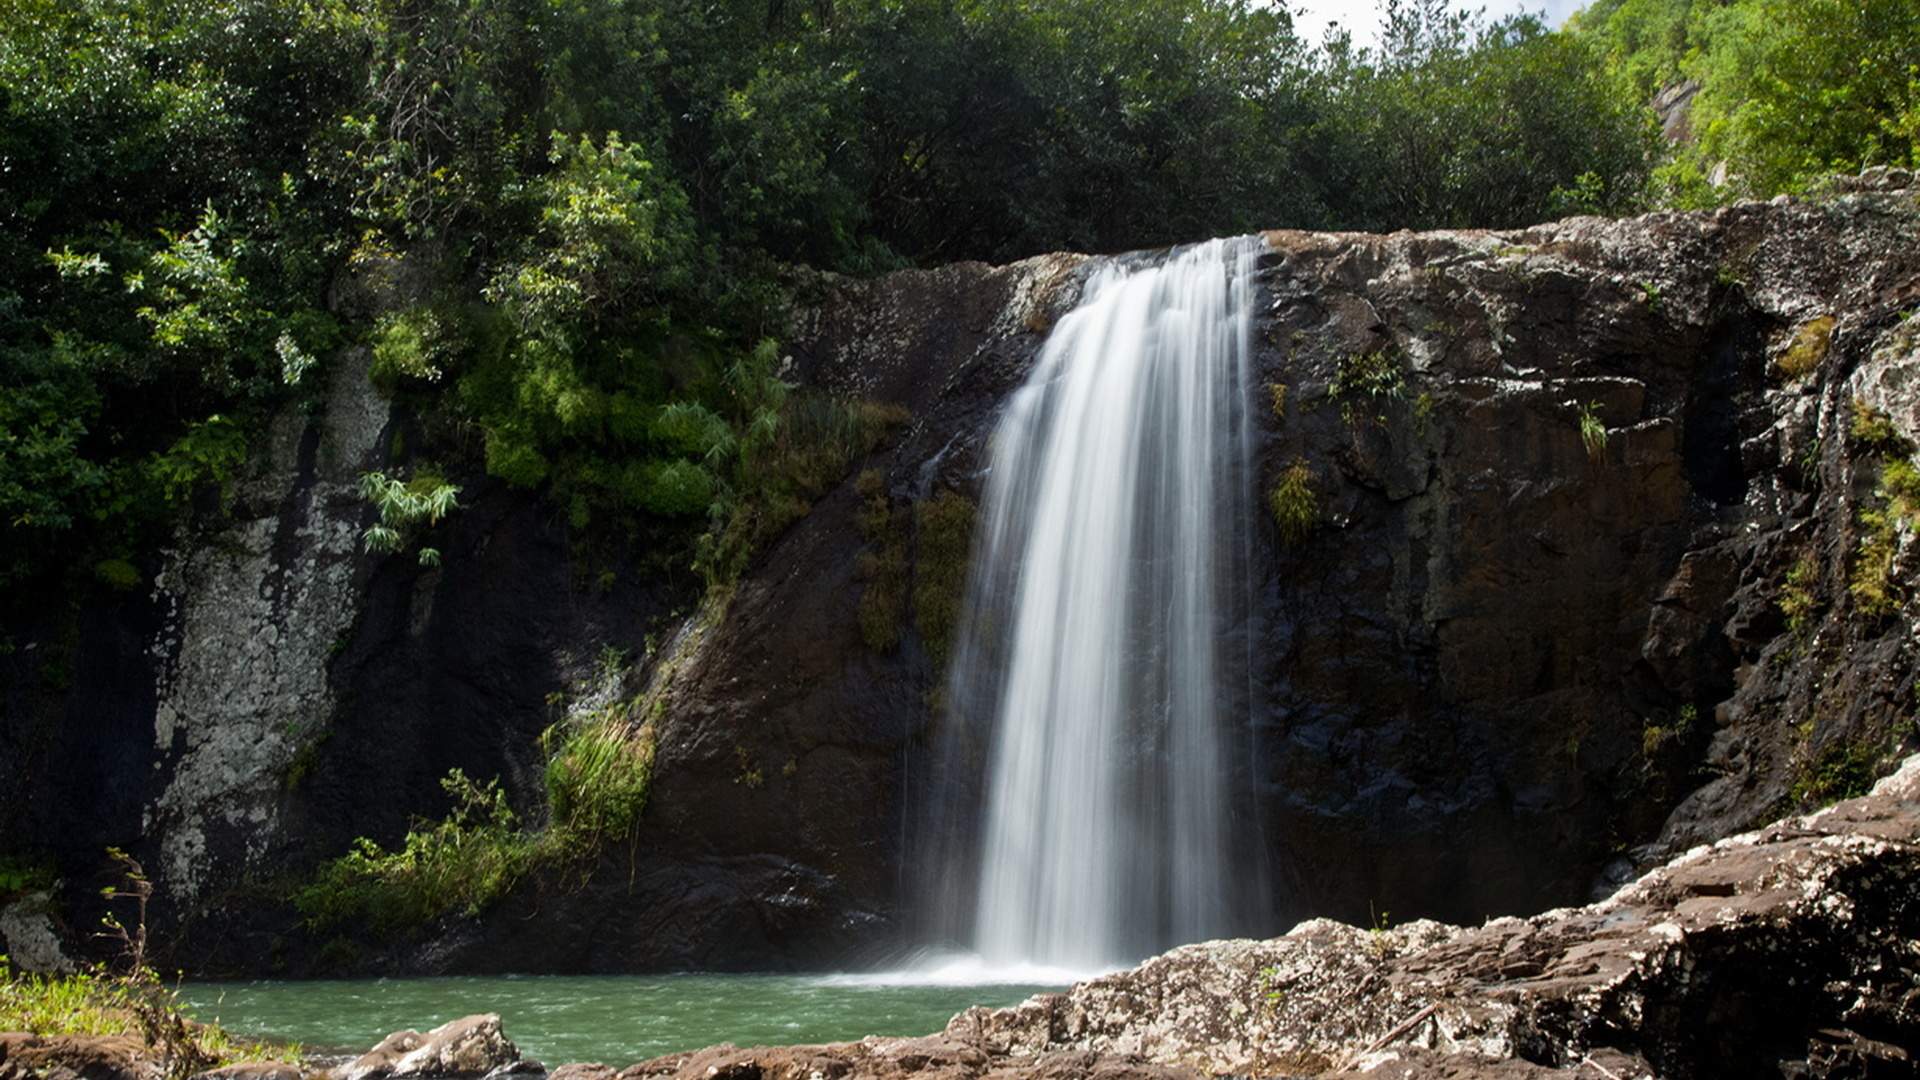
(76, 1057)
(472, 1046)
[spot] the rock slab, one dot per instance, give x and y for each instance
(468, 1047)
(1790, 951)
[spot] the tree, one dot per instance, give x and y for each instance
(1795, 89)
(1451, 124)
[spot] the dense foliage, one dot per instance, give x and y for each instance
(580, 209)
(1790, 90)
(577, 211)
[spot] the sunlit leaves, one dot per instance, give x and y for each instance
(1790, 90)
(609, 226)
(1794, 90)
(407, 508)
(195, 296)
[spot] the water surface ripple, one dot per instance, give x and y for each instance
(614, 1019)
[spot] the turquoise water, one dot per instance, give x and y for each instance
(615, 1019)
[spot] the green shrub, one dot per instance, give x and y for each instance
(874, 511)
(883, 603)
(19, 875)
(1368, 384)
(462, 863)
(118, 574)
(1900, 486)
(1844, 770)
(412, 344)
(1663, 728)
(1875, 593)
(1293, 504)
(208, 453)
(599, 773)
(1875, 587)
(792, 453)
(1873, 430)
(406, 507)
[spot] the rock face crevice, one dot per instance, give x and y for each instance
(1587, 510)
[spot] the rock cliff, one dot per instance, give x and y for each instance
(1595, 557)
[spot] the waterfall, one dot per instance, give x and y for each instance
(1102, 666)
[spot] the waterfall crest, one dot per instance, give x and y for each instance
(1102, 660)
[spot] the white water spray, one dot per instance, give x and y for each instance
(1097, 647)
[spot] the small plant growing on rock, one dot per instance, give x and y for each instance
(1272, 994)
(1799, 598)
(1844, 770)
(598, 775)
(406, 507)
(1378, 942)
(1873, 430)
(1593, 432)
(1293, 504)
(1808, 348)
(1875, 593)
(748, 773)
(1663, 728)
(1377, 377)
(1875, 586)
(1650, 293)
(944, 540)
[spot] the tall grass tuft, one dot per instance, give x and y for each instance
(598, 776)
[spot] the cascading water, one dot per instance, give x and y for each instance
(1103, 648)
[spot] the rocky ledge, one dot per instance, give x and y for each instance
(1790, 951)
(1787, 951)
